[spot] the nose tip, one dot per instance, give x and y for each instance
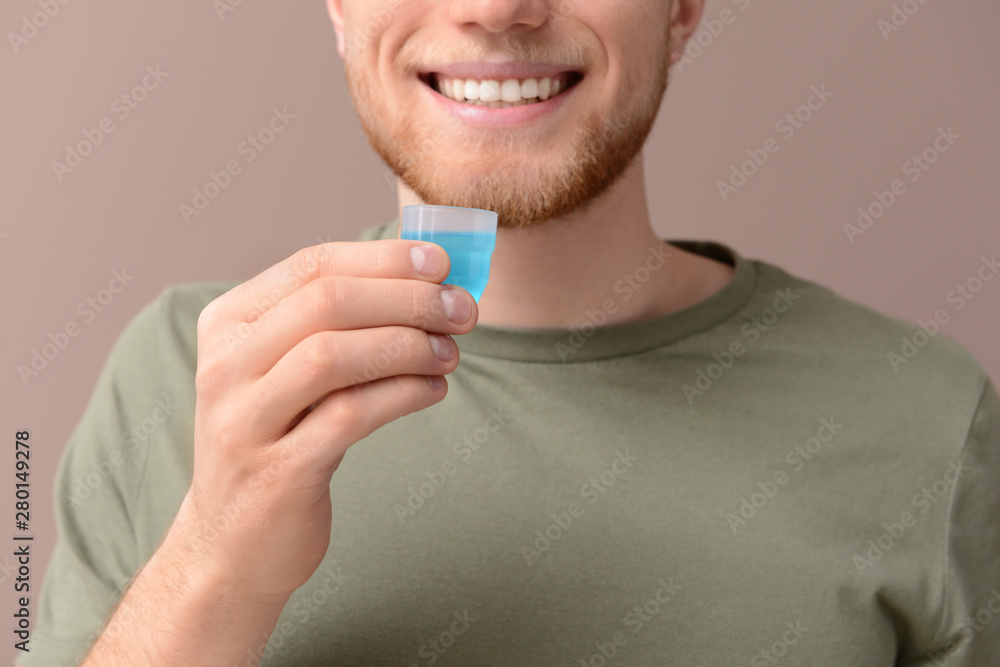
(498, 16)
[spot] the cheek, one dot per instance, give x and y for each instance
(365, 28)
(632, 37)
(639, 30)
(644, 62)
(383, 26)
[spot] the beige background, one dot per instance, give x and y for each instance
(319, 181)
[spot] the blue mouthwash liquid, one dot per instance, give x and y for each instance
(469, 253)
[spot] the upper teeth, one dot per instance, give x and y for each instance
(501, 94)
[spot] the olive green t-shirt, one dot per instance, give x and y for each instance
(773, 476)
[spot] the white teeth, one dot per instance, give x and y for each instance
(544, 88)
(489, 91)
(510, 90)
(471, 89)
(497, 94)
(529, 89)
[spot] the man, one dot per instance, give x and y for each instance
(650, 453)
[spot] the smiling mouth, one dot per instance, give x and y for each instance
(501, 94)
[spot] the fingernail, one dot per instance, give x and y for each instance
(426, 259)
(456, 306)
(436, 382)
(443, 347)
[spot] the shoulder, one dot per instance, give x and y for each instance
(864, 350)
(168, 323)
(179, 305)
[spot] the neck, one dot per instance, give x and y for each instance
(604, 258)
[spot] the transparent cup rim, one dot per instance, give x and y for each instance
(434, 217)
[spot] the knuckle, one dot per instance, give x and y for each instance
(321, 296)
(307, 263)
(422, 299)
(228, 428)
(318, 356)
(383, 350)
(381, 256)
(346, 411)
(414, 343)
(203, 382)
(417, 301)
(208, 376)
(207, 318)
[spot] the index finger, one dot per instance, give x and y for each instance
(387, 258)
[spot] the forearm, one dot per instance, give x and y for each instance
(177, 612)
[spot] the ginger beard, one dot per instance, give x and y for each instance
(449, 164)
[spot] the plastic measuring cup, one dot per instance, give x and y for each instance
(468, 235)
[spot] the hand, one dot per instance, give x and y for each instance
(295, 366)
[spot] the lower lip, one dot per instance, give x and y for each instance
(520, 115)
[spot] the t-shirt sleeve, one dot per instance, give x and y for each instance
(969, 634)
(96, 485)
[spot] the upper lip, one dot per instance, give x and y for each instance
(498, 71)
